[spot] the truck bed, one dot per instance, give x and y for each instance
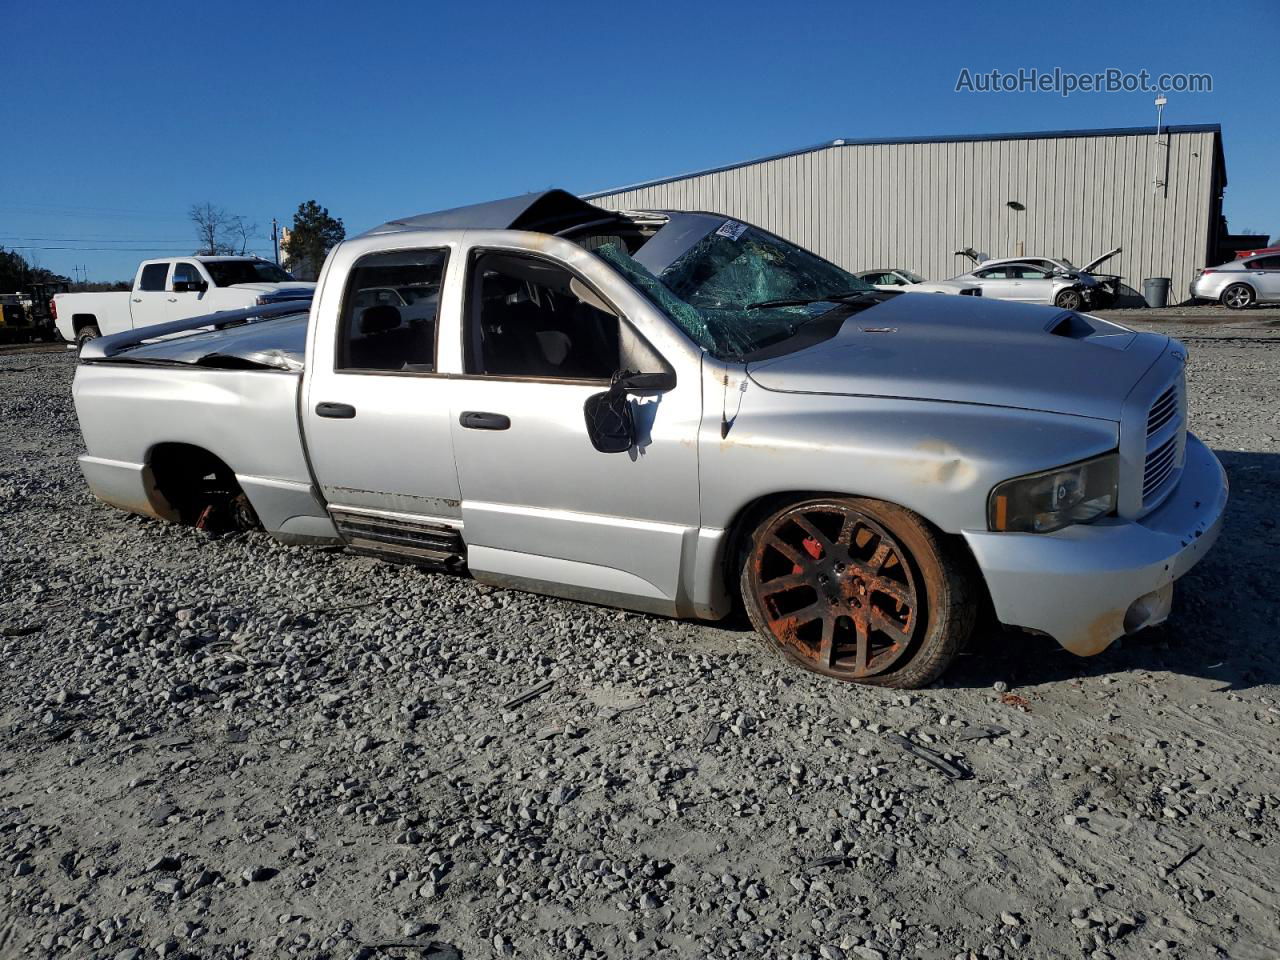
(231, 392)
(277, 344)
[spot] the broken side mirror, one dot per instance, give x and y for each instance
(610, 423)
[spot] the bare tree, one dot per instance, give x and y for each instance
(241, 232)
(211, 224)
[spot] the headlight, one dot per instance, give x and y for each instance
(1044, 502)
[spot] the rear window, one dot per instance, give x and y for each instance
(153, 275)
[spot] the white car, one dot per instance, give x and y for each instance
(1240, 283)
(891, 278)
(1051, 280)
(176, 288)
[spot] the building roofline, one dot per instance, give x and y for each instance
(1215, 128)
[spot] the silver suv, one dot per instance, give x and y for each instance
(1241, 283)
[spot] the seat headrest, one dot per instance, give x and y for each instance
(555, 346)
(379, 319)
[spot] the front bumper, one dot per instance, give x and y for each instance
(1085, 586)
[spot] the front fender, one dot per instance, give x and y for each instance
(938, 459)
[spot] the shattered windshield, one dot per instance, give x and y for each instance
(738, 289)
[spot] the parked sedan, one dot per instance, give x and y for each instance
(1240, 283)
(908, 282)
(1028, 281)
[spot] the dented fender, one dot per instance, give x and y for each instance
(937, 458)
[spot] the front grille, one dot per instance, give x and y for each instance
(1165, 440)
(1163, 410)
(1160, 464)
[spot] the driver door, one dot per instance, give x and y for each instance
(1033, 284)
(542, 509)
(185, 296)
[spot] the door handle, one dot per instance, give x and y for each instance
(477, 420)
(335, 411)
(173, 299)
(137, 299)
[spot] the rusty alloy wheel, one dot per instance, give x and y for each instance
(835, 590)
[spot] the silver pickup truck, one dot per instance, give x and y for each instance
(676, 412)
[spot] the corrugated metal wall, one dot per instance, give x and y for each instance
(913, 204)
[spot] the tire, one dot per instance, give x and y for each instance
(858, 590)
(1069, 300)
(88, 332)
(1237, 296)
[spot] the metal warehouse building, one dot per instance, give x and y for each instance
(913, 202)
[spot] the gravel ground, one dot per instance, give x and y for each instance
(235, 748)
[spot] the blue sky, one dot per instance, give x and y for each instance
(123, 115)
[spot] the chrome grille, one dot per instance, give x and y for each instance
(1163, 410)
(1160, 464)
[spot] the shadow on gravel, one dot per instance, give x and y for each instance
(1226, 611)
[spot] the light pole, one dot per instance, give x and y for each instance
(1158, 182)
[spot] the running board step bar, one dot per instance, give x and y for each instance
(396, 538)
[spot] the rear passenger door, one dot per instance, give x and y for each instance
(996, 282)
(150, 303)
(376, 411)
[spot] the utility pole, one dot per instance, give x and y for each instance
(1158, 181)
(275, 240)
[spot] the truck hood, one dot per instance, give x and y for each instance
(973, 350)
(294, 289)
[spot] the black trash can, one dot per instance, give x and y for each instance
(1155, 290)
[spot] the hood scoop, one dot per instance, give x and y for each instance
(1075, 326)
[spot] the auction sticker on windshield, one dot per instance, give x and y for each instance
(731, 229)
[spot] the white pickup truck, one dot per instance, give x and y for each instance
(175, 289)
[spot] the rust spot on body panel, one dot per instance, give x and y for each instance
(1098, 635)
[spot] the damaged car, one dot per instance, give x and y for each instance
(678, 413)
(1047, 280)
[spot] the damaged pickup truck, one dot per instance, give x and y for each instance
(675, 412)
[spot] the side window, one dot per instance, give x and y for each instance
(1025, 271)
(528, 317)
(184, 272)
(992, 273)
(1265, 263)
(389, 312)
(153, 275)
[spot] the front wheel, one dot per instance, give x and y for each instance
(88, 332)
(1237, 296)
(858, 590)
(1069, 300)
